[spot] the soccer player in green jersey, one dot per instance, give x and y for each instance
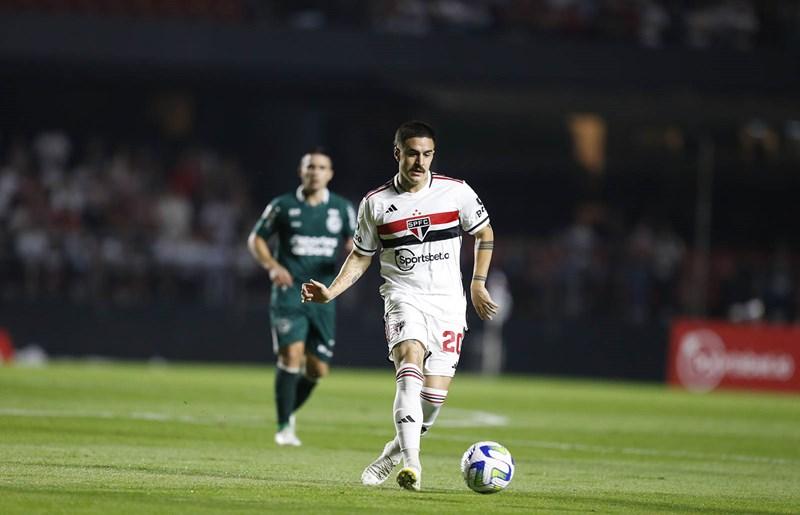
(313, 226)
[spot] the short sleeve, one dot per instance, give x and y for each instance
(365, 239)
(472, 213)
(350, 228)
(265, 226)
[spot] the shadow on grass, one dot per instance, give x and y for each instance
(510, 500)
(332, 495)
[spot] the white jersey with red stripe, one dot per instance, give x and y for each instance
(418, 235)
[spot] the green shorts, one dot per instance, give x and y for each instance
(314, 324)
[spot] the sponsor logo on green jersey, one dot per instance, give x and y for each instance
(313, 245)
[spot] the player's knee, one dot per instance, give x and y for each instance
(318, 372)
(292, 355)
(409, 351)
(316, 369)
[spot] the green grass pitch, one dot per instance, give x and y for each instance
(79, 437)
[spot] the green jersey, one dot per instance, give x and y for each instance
(310, 238)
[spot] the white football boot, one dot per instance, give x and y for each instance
(287, 436)
(379, 470)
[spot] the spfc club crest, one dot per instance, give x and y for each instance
(419, 227)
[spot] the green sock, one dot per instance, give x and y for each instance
(285, 395)
(304, 387)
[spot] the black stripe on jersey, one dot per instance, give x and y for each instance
(477, 224)
(379, 188)
(363, 249)
(444, 234)
(438, 175)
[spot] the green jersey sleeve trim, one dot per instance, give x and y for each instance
(265, 227)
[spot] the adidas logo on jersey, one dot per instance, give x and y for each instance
(391, 209)
(405, 420)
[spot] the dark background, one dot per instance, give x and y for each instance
(685, 206)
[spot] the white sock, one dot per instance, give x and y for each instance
(408, 412)
(432, 401)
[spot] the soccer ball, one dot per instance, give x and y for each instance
(487, 467)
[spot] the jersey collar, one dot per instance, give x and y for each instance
(298, 193)
(399, 190)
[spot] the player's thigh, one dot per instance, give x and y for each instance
(288, 328)
(321, 339)
(406, 334)
(408, 351)
(292, 355)
(445, 339)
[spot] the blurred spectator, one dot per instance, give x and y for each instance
(780, 288)
(738, 24)
(669, 252)
(410, 17)
(124, 226)
(729, 23)
(580, 271)
(460, 15)
(654, 20)
(638, 271)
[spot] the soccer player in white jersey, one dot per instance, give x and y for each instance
(415, 221)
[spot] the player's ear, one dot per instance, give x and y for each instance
(396, 154)
(302, 164)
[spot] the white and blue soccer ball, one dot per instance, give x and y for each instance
(487, 467)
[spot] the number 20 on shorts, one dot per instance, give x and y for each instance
(452, 341)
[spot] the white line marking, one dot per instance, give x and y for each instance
(457, 418)
(136, 415)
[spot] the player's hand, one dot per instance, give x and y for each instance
(280, 276)
(315, 291)
(482, 301)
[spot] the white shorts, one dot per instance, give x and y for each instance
(442, 339)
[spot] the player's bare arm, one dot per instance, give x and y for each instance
(353, 268)
(481, 300)
(348, 246)
(260, 250)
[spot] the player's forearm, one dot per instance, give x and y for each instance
(484, 246)
(353, 268)
(260, 251)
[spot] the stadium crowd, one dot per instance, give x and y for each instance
(740, 24)
(116, 225)
(136, 224)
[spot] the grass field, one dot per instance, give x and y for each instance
(132, 438)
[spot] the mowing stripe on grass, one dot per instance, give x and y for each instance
(635, 451)
(143, 415)
(459, 418)
(456, 417)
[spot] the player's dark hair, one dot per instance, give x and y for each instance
(320, 151)
(413, 129)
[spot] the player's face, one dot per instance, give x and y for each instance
(315, 172)
(414, 159)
